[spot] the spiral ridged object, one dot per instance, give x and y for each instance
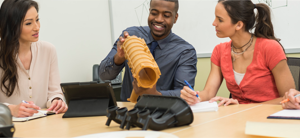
(143, 66)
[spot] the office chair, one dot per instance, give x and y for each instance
(117, 80)
(116, 83)
(95, 73)
(294, 65)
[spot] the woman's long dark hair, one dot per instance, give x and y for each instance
(12, 14)
(243, 10)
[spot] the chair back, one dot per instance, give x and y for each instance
(95, 73)
(117, 80)
(294, 65)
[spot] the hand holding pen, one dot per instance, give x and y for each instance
(291, 99)
(23, 109)
(187, 83)
(33, 104)
(189, 95)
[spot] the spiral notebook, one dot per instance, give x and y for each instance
(40, 114)
(285, 114)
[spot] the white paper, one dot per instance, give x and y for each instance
(204, 107)
(41, 113)
(287, 113)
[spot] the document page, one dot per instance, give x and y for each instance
(204, 107)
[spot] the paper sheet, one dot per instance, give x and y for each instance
(287, 113)
(204, 107)
(41, 113)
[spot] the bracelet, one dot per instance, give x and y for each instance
(57, 98)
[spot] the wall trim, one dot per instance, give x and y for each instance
(292, 51)
(288, 51)
(203, 55)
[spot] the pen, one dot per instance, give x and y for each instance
(286, 100)
(23, 101)
(187, 83)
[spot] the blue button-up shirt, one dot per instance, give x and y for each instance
(175, 58)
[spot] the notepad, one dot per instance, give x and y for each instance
(286, 114)
(40, 114)
(272, 129)
(204, 107)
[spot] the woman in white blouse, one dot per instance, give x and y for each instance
(28, 67)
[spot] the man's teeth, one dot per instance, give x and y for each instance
(158, 26)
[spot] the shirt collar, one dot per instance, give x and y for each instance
(161, 43)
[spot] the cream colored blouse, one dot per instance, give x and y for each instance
(42, 83)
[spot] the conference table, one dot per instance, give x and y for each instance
(228, 121)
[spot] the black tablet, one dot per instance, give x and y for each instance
(88, 98)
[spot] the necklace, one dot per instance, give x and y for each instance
(240, 53)
(243, 45)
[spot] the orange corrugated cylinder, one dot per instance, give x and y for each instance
(143, 66)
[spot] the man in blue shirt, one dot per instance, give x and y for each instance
(175, 57)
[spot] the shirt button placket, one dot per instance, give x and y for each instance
(30, 87)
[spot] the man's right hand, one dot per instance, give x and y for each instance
(23, 109)
(119, 58)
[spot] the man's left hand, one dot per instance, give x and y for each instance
(141, 91)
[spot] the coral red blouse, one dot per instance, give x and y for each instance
(258, 84)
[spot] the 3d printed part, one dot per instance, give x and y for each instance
(143, 66)
(154, 112)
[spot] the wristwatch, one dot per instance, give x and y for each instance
(57, 98)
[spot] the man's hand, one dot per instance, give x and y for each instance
(119, 58)
(140, 91)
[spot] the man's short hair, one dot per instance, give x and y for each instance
(176, 4)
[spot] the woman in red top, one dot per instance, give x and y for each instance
(253, 65)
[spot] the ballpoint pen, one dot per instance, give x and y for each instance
(286, 100)
(23, 101)
(187, 83)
